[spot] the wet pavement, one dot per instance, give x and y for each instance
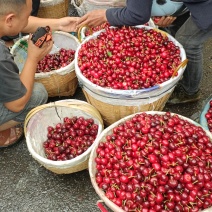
(25, 186)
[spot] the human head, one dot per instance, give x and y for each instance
(14, 16)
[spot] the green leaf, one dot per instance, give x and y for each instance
(109, 54)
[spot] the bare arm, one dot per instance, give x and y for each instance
(67, 24)
(136, 12)
(93, 18)
(35, 54)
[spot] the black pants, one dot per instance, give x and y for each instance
(179, 21)
(35, 8)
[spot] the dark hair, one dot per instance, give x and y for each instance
(7, 6)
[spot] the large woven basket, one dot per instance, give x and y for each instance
(114, 109)
(114, 104)
(53, 8)
(61, 82)
(102, 138)
(35, 128)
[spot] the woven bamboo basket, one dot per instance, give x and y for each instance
(53, 8)
(39, 118)
(60, 85)
(102, 138)
(61, 82)
(114, 104)
(113, 112)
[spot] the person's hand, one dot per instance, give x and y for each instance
(164, 21)
(92, 19)
(68, 24)
(35, 53)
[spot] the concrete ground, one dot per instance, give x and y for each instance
(25, 186)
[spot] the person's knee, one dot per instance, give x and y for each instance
(39, 94)
(180, 38)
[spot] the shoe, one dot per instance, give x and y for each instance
(11, 136)
(179, 96)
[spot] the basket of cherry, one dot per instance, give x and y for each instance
(129, 69)
(56, 70)
(153, 161)
(60, 135)
(206, 115)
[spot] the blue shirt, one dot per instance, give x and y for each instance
(139, 12)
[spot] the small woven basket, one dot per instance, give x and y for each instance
(61, 82)
(102, 138)
(39, 118)
(53, 8)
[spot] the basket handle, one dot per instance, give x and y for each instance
(182, 64)
(82, 30)
(101, 206)
(165, 34)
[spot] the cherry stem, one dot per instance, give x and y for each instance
(195, 181)
(152, 194)
(199, 199)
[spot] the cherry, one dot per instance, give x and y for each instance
(55, 61)
(208, 116)
(66, 143)
(105, 60)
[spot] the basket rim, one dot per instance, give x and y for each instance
(58, 71)
(83, 29)
(79, 159)
(43, 2)
(91, 161)
(127, 92)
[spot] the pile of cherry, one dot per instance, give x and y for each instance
(105, 25)
(56, 61)
(153, 163)
(70, 139)
(208, 116)
(129, 58)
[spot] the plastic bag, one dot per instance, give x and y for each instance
(90, 5)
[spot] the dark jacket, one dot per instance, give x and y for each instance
(139, 11)
(201, 12)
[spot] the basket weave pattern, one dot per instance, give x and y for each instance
(60, 85)
(54, 10)
(112, 113)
